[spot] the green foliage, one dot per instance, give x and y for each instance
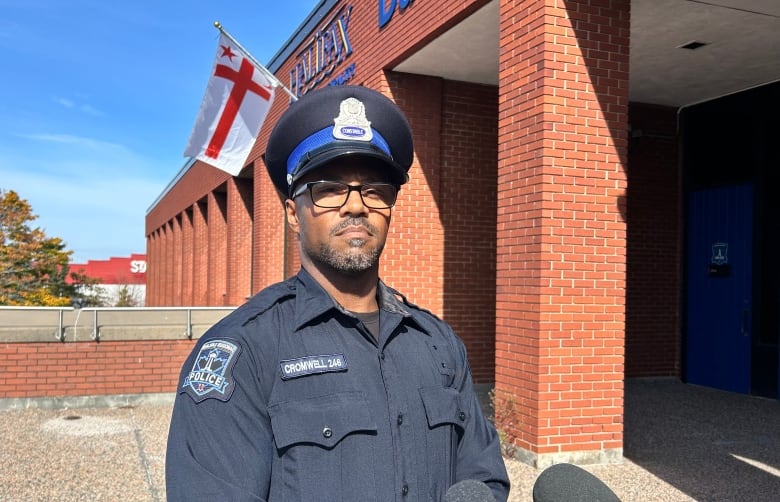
(33, 267)
(504, 415)
(127, 297)
(87, 291)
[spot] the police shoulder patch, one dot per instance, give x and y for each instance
(211, 375)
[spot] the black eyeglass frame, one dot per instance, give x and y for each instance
(307, 187)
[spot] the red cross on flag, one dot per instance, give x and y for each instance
(238, 97)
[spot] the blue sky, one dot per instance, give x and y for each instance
(98, 99)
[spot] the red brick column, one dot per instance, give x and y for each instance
(168, 277)
(271, 239)
(151, 268)
(217, 265)
(239, 238)
(563, 103)
(187, 257)
(200, 231)
(176, 299)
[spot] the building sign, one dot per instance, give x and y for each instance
(720, 253)
(138, 267)
(345, 76)
(387, 8)
(326, 50)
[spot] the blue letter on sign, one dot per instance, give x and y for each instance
(385, 15)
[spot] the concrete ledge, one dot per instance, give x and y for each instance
(545, 460)
(104, 401)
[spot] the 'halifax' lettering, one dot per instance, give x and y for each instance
(326, 49)
(345, 76)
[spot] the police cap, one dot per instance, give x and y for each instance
(333, 122)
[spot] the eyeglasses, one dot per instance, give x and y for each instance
(332, 194)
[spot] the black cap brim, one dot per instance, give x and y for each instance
(397, 174)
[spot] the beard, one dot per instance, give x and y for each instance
(357, 258)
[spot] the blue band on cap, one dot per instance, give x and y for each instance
(322, 138)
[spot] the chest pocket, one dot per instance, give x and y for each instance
(443, 406)
(447, 420)
(323, 420)
(321, 447)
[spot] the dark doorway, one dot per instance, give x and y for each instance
(729, 143)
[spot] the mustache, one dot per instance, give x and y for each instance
(354, 221)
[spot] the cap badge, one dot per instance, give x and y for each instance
(352, 123)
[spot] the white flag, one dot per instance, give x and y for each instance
(237, 100)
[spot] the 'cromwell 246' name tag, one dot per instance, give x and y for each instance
(309, 365)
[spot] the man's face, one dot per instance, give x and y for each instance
(349, 239)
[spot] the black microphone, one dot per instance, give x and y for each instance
(469, 490)
(569, 483)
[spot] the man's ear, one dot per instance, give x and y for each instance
(292, 215)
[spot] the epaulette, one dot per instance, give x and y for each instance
(265, 299)
(259, 303)
(424, 317)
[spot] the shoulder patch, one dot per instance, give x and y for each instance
(211, 375)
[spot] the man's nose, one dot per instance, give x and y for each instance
(354, 203)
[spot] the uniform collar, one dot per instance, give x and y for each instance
(313, 301)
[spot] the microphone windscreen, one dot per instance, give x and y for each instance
(569, 483)
(469, 490)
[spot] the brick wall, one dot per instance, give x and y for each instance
(200, 259)
(217, 248)
(240, 205)
(653, 338)
(468, 206)
(413, 258)
(53, 369)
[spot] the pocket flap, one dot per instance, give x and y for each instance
(443, 406)
(322, 420)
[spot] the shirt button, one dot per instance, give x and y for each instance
(404, 489)
(400, 418)
(382, 356)
(462, 416)
(327, 432)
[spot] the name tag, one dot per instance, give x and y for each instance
(309, 365)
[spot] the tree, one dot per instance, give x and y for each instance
(33, 267)
(127, 296)
(87, 291)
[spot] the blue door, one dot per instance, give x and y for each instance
(719, 268)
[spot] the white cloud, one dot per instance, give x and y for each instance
(67, 103)
(78, 141)
(89, 110)
(76, 105)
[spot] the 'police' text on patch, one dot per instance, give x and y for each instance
(211, 375)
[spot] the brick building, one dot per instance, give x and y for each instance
(589, 199)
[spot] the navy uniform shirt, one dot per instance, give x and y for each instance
(291, 398)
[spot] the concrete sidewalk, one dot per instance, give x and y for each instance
(682, 443)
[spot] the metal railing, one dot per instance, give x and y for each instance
(66, 324)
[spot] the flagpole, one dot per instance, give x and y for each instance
(274, 81)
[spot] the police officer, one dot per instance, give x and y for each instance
(332, 386)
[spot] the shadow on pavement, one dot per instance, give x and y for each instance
(707, 443)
